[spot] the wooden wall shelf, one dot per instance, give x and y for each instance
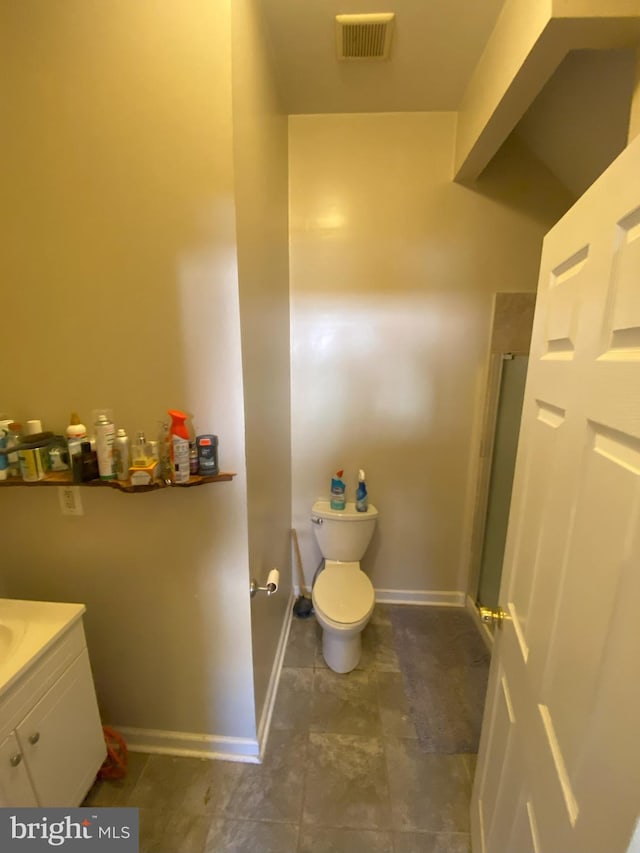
(64, 479)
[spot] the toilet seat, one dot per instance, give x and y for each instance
(343, 593)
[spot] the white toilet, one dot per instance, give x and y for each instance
(342, 595)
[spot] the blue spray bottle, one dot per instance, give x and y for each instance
(338, 488)
(362, 499)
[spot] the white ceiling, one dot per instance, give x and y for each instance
(576, 126)
(436, 45)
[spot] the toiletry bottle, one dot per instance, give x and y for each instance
(362, 500)
(105, 437)
(5, 439)
(32, 463)
(58, 454)
(4, 457)
(163, 451)
(122, 455)
(13, 441)
(179, 447)
(33, 427)
(75, 428)
(207, 455)
(193, 458)
(338, 500)
(89, 463)
(140, 452)
(76, 434)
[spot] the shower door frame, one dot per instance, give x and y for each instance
(501, 463)
(509, 337)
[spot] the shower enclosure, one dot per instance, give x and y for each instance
(506, 377)
(505, 445)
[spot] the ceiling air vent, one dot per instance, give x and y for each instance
(364, 36)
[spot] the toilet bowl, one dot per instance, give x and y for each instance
(343, 596)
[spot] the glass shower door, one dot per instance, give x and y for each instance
(512, 382)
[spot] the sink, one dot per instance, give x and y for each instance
(11, 633)
(27, 630)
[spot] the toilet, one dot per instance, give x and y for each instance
(343, 596)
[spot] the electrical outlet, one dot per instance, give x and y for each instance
(70, 500)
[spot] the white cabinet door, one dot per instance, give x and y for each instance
(61, 738)
(559, 762)
(15, 785)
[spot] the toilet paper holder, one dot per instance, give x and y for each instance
(273, 581)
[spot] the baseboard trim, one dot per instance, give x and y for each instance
(158, 742)
(264, 726)
(246, 750)
(426, 597)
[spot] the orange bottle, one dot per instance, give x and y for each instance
(179, 447)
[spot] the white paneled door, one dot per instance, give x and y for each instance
(559, 763)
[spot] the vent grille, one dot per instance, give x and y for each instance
(364, 36)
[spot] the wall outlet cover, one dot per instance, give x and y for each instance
(70, 500)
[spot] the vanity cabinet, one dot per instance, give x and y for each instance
(15, 784)
(51, 740)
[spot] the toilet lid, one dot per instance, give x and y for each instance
(343, 594)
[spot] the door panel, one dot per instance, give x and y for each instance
(559, 763)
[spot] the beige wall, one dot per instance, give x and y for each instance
(118, 263)
(634, 117)
(393, 271)
(483, 117)
(144, 265)
(260, 146)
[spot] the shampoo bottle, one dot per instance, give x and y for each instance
(362, 500)
(338, 500)
(179, 447)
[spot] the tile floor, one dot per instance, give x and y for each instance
(344, 771)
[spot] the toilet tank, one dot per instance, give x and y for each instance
(343, 535)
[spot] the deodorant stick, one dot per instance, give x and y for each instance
(207, 455)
